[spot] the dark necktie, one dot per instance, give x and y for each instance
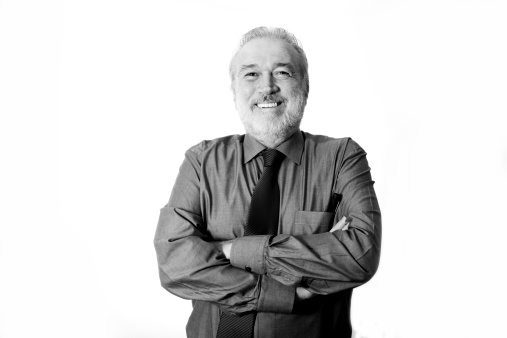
(262, 220)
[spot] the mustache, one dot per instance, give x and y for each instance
(269, 98)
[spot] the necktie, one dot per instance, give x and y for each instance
(262, 220)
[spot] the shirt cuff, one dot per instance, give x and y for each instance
(275, 296)
(248, 253)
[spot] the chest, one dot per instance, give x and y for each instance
(305, 193)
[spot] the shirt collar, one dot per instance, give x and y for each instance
(292, 147)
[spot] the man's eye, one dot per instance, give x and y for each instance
(250, 74)
(282, 74)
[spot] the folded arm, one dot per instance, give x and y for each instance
(301, 292)
(191, 266)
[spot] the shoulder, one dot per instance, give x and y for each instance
(322, 143)
(221, 144)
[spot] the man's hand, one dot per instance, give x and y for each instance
(225, 247)
(304, 294)
(343, 224)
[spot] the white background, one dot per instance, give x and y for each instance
(99, 99)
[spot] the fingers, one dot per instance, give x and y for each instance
(225, 247)
(303, 294)
(342, 224)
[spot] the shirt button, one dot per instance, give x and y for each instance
(247, 268)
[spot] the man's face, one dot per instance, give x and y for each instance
(268, 88)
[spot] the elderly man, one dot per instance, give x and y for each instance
(268, 232)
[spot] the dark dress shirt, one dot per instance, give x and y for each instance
(209, 202)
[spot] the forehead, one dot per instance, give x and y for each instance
(266, 52)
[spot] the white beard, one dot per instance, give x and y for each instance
(273, 129)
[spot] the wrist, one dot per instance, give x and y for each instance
(248, 253)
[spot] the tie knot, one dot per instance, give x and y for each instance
(271, 157)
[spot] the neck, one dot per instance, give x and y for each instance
(272, 141)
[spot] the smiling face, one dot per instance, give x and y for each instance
(269, 89)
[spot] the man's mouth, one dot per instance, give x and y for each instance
(269, 105)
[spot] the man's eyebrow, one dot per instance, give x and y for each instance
(282, 64)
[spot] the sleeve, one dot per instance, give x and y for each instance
(192, 267)
(328, 262)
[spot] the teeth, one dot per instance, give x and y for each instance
(267, 105)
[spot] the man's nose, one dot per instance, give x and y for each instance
(267, 85)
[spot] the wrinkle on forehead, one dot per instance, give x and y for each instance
(266, 52)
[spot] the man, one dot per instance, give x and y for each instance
(281, 260)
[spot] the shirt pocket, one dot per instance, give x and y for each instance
(312, 222)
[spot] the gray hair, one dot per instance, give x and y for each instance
(275, 33)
